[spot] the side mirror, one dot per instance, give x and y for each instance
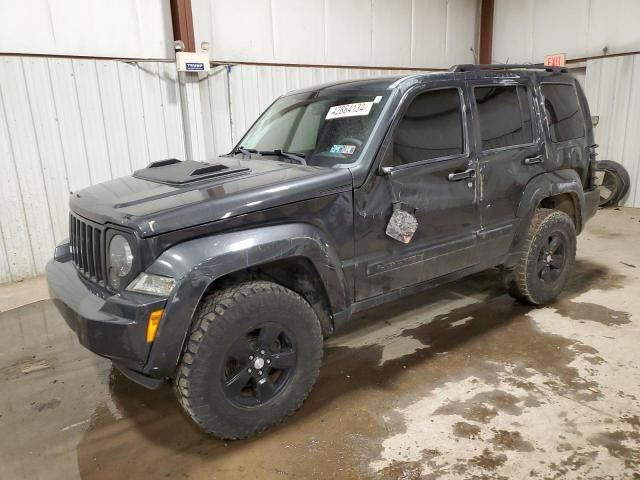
(386, 159)
(384, 170)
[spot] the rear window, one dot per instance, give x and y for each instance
(505, 116)
(563, 111)
(430, 128)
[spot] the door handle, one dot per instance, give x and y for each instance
(457, 176)
(533, 160)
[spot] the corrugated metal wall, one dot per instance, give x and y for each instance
(400, 33)
(233, 97)
(527, 30)
(66, 124)
(138, 29)
(612, 86)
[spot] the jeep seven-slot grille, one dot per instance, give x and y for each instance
(86, 247)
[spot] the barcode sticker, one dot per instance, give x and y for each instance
(349, 110)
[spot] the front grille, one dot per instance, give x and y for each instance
(87, 241)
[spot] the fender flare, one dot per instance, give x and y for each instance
(544, 186)
(195, 264)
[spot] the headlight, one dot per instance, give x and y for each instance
(120, 260)
(152, 284)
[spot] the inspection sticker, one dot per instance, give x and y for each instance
(349, 110)
(343, 149)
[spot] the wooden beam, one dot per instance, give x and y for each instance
(486, 31)
(182, 20)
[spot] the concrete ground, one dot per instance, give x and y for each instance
(456, 382)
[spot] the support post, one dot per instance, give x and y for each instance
(182, 20)
(486, 31)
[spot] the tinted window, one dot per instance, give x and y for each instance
(563, 111)
(505, 116)
(430, 128)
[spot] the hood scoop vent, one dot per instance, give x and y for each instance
(176, 172)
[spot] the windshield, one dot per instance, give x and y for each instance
(323, 129)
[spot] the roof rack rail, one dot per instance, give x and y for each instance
(470, 67)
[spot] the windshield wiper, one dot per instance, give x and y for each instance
(297, 157)
(245, 151)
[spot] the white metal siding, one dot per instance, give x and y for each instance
(527, 30)
(612, 86)
(114, 28)
(66, 124)
(400, 33)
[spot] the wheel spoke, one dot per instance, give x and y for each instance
(238, 382)
(241, 350)
(556, 261)
(286, 359)
(545, 274)
(554, 243)
(554, 273)
(268, 335)
(541, 265)
(264, 389)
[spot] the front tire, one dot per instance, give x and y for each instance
(546, 260)
(252, 358)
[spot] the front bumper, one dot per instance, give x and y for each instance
(110, 325)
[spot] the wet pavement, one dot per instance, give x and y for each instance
(456, 382)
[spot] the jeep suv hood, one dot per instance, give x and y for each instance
(170, 195)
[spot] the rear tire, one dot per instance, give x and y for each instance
(252, 358)
(546, 260)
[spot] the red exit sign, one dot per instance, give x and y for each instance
(555, 60)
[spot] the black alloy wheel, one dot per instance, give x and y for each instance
(258, 365)
(551, 259)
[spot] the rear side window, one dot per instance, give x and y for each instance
(505, 116)
(563, 111)
(430, 128)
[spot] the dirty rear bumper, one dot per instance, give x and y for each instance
(112, 326)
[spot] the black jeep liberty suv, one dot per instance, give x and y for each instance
(225, 276)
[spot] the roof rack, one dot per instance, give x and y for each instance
(471, 67)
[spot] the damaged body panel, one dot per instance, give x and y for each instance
(346, 196)
(198, 263)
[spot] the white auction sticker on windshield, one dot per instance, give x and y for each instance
(349, 110)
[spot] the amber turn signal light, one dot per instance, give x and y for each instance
(154, 323)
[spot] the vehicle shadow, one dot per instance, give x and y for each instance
(148, 435)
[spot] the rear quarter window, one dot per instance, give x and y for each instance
(566, 121)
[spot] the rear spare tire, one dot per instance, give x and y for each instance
(253, 356)
(614, 182)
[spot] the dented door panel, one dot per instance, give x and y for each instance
(443, 242)
(441, 194)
